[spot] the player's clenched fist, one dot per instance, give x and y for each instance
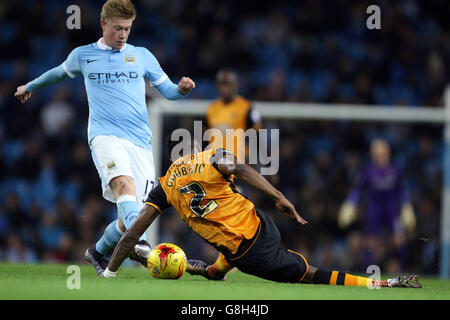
(185, 85)
(22, 94)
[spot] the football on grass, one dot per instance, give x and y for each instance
(167, 261)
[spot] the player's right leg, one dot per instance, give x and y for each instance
(216, 271)
(267, 260)
(124, 190)
(111, 159)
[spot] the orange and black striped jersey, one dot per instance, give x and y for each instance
(206, 200)
(235, 115)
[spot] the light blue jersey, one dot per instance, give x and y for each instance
(115, 88)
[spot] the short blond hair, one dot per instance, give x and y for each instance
(118, 9)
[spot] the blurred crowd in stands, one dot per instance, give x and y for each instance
(51, 207)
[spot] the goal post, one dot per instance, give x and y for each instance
(445, 211)
(158, 108)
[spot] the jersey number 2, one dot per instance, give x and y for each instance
(196, 201)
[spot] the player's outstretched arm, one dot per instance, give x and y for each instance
(53, 76)
(129, 239)
(22, 94)
(228, 165)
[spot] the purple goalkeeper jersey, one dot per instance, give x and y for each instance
(386, 192)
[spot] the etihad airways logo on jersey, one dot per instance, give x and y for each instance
(113, 77)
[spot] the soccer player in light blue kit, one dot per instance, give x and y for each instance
(119, 131)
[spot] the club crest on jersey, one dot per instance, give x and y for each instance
(130, 59)
(111, 164)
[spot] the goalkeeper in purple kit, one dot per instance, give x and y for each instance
(388, 212)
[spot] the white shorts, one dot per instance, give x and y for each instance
(115, 157)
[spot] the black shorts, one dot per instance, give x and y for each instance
(262, 256)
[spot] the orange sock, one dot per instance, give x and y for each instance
(340, 278)
(351, 280)
(220, 267)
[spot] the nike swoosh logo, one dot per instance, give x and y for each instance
(89, 61)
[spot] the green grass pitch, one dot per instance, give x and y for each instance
(48, 281)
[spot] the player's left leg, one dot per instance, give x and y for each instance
(265, 259)
(320, 276)
(139, 183)
(289, 266)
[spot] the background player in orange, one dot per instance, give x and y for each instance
(231, 111)
(200, 186)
